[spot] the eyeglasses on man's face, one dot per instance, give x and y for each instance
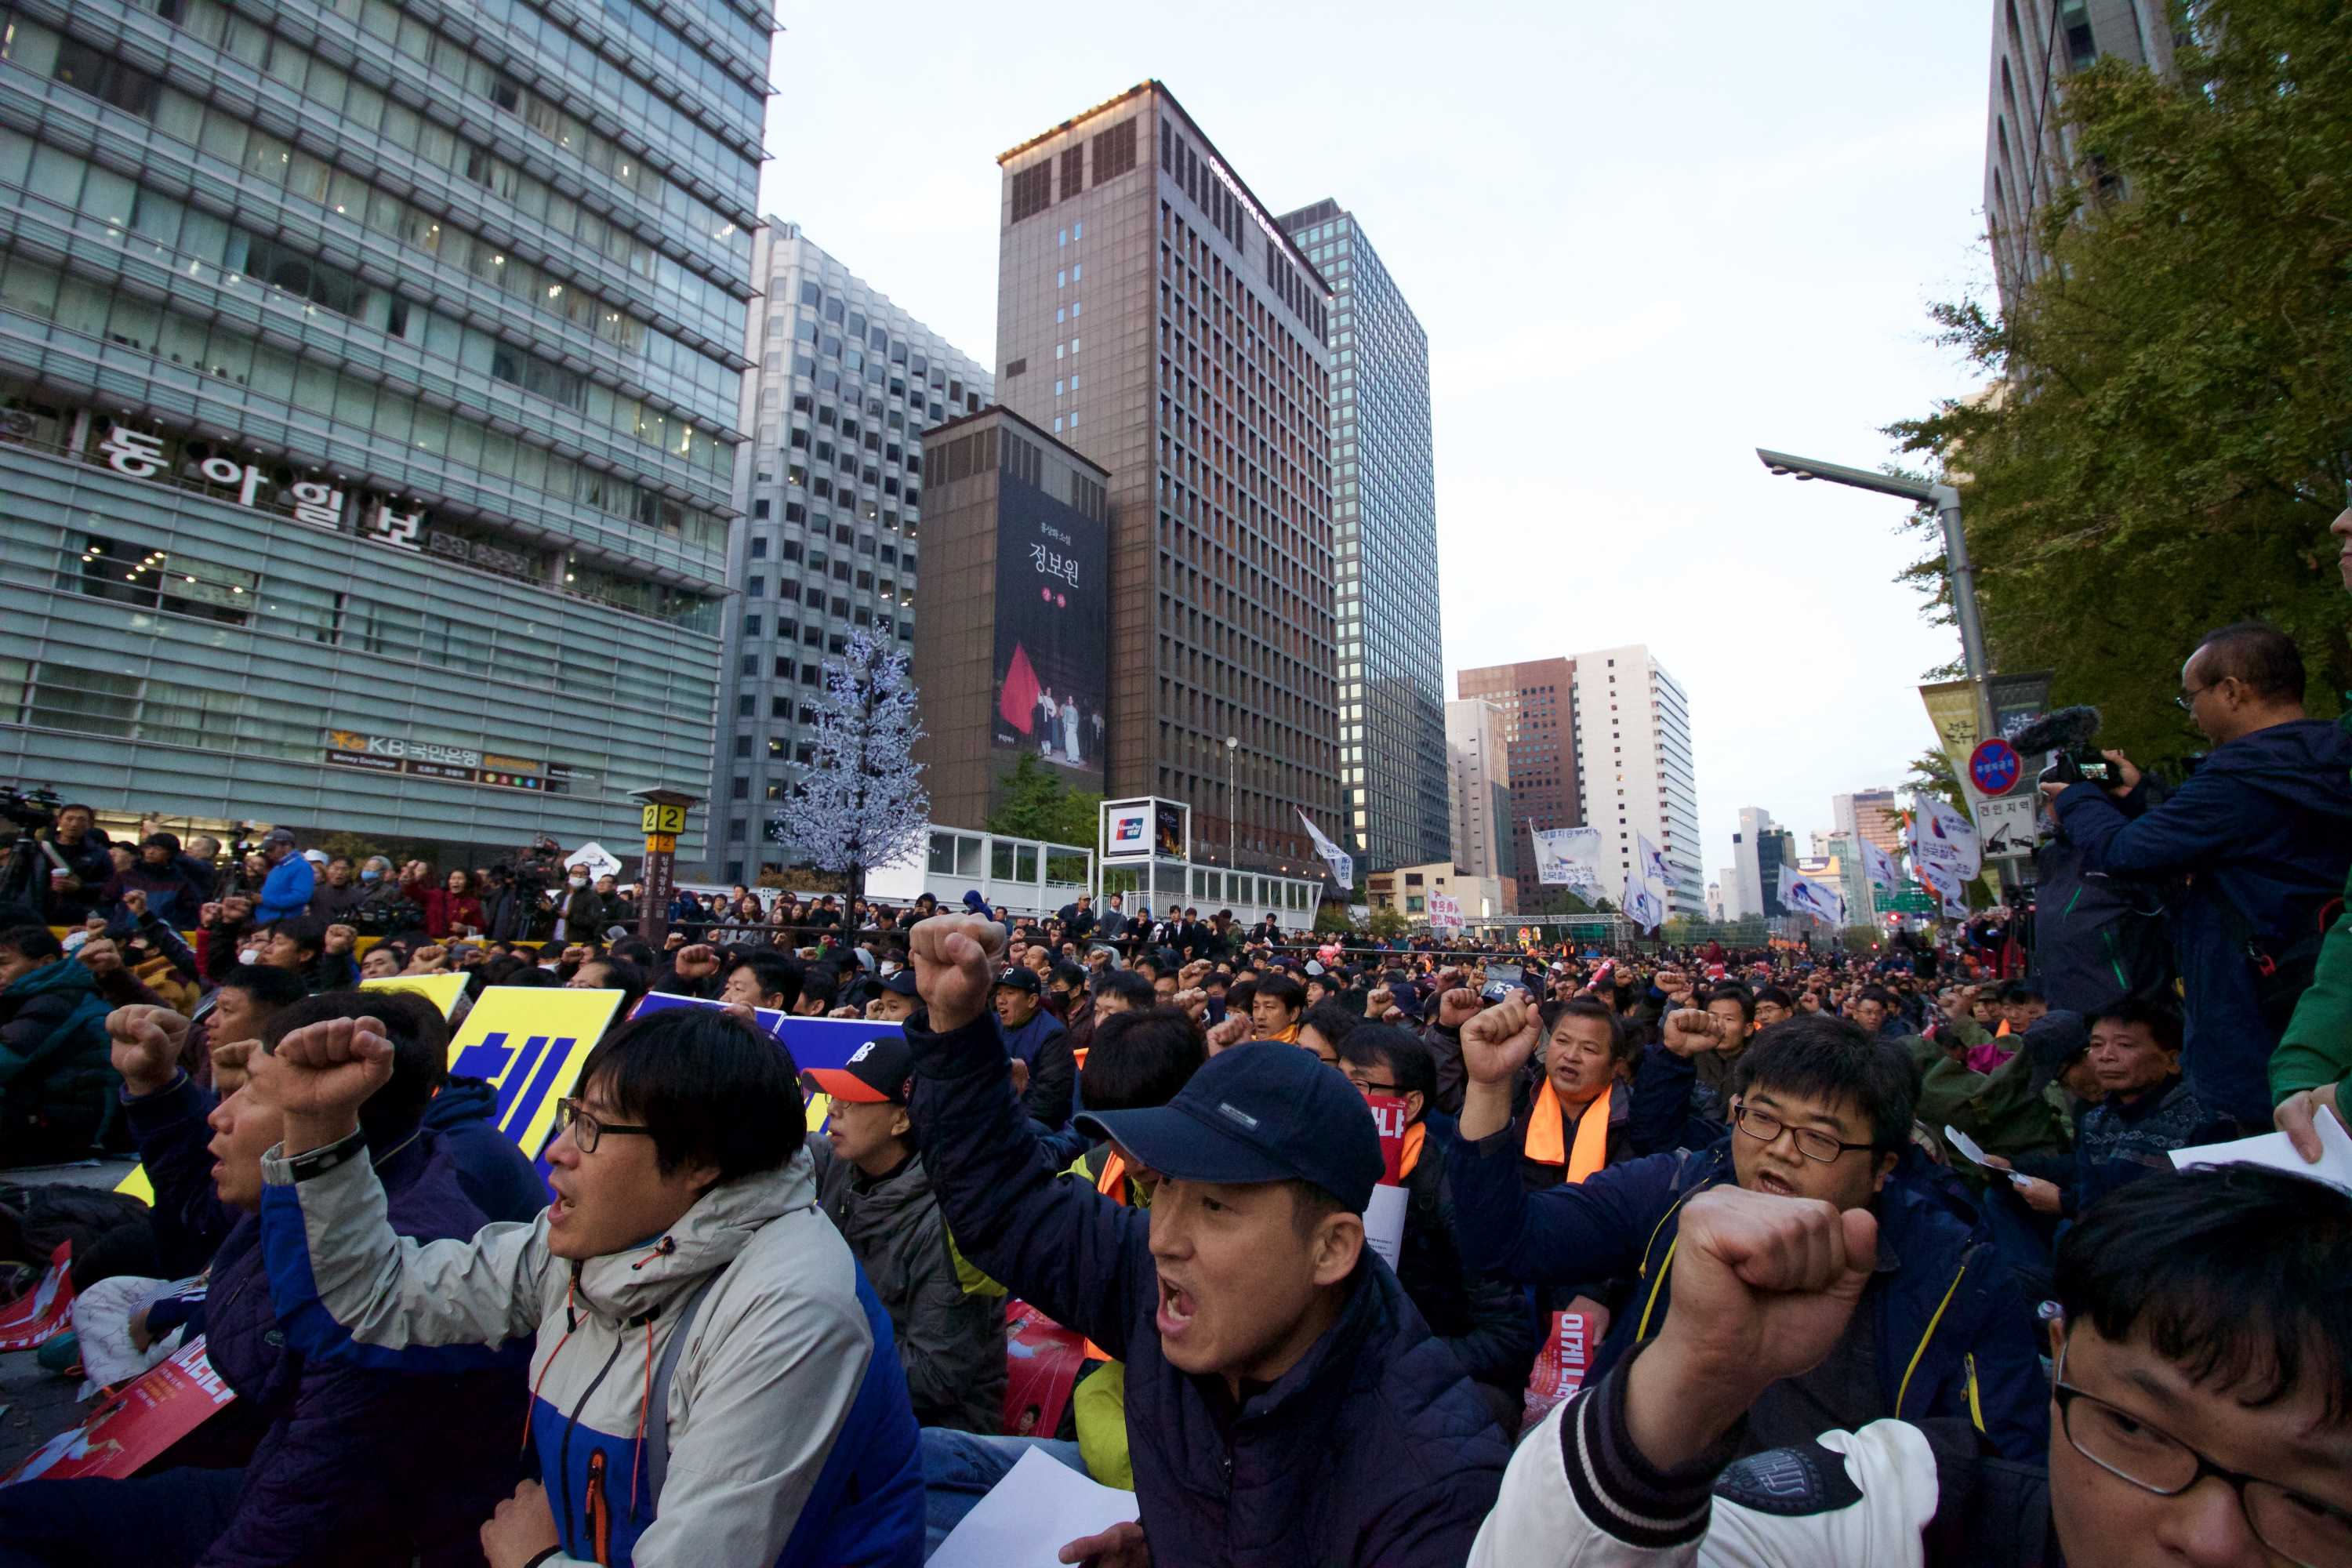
(1812, 1142)
(587, 1129)
(2301, 1529)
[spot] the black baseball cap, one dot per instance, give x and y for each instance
(902, 982)
(1020, 978)
(1259, 1112)
(879, 1072)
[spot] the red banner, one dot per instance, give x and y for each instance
(47, 1312)
(1041, 1367)
(134, 1425)
(1560, 1366)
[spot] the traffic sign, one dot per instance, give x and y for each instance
(2006, 827)
(1995, 767)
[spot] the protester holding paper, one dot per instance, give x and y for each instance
(1285, 1401)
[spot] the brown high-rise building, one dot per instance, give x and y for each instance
(1538, 703)
(1154, 316)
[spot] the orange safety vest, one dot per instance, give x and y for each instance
(1414, 1136)
(1112, 1185)
(1547, 1136)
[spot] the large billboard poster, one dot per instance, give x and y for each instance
(1052, 637)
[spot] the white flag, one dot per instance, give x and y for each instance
(1653, 864)
(1567, 857)
(1803, 896)
(1342, 864)
(1942, 834)
(1879, 866)
(1947, 886)
(1642, 907)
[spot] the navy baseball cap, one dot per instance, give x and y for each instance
(901, 982)
(1018, 978)
(1259, 1112)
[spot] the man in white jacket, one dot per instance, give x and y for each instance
(2201, 1403)
(715, 1381)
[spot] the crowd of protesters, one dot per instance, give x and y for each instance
(1880, 1256)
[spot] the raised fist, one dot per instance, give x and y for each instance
(135, 900)
(1689, 1032)
(324, 1072)
(208, 914)
(698, 962)
(341, 938)
(954, 958)
(1457, 1008)
(100, 956)
(1233, 1031)
(1497, 1043)
(145, 1042)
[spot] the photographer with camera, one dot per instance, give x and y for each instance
(2261, 837)
(63, 875)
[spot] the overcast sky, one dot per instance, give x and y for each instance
(1644, 240)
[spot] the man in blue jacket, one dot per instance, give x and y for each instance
(287, 889)
(1285, 1403)
(2262, 837)
(1819, 1110)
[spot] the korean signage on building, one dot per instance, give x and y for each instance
(458, 764)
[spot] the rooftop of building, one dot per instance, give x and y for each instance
(998, 412)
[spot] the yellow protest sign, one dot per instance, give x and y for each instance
(529, 1043)
(441, 990)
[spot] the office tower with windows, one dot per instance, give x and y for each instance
(1634, 763)
(1479, 781)
(1392, 724)
(2029, 151)
(1874, 815)
(1153, 315)
(369, 385)
(1538, 700)
(844, 384)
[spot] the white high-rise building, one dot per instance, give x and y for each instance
(1478, 787)
(1633, 766)
(1748, 873)
(1727, 880)
(1714, 900)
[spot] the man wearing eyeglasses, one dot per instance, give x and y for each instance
(2261, 837)
(2200, 1404)
(1819, 1112)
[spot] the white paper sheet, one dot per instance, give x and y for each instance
(2273, 1150)
(1040, 1507)
(1968, 1148)
(1384, 1222)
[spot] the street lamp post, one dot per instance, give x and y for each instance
(1233, 808)
(1962, 572)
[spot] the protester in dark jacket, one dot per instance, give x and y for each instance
(501, 1183)
(71, 895)
(2263, 834)
(54, 1076)
(1033, 1035)
(1485, 1319)
(1285, 1403)
(344, 1465)
(1939, 1331)
(174, 888)
(871, 1184)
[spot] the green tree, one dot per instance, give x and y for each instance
(1038, 805)
(1386, 922)
(1931, 771)
(2170, 431)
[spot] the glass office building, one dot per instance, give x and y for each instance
(844, 385)
(1393, 762)
(370, 381)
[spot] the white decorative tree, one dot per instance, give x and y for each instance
(862, 801)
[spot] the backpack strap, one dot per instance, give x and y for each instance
(657, 1399)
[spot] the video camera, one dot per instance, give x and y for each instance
(2069, 732)
(535, 868)
(32, 810)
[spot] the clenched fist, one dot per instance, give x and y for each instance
(1496, 1043)
(319, 1075)
(1689, 1032)
(955, 958)
(1457, 1008)
(697, 963)
(145, 1042)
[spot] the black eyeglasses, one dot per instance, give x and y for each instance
(1812, 1142)
(2187, 699)
(2302, 1529)
(586, 1130)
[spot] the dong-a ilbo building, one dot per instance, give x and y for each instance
(369, 404)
